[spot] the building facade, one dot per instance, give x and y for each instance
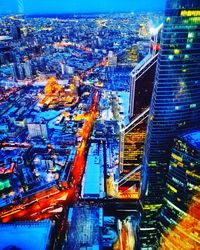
(180, 214)
(175, 106)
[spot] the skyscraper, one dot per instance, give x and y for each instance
(132, 136)
(181, 211)
(175, 106)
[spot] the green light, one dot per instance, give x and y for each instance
(171, 57)
(4, 184)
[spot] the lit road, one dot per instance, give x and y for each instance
(126, 240)
(46, 203)
(14, 145)
(102, 63)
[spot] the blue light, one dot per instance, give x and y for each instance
(81, 6)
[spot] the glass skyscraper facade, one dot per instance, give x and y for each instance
(180, 215)
(175, 106)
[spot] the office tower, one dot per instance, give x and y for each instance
(132, 136)
(141, 86)
(180, 215)
(132, 139)
(142, 78)
(15, 32)
(175, 106)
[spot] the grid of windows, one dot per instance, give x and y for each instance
(175, 104)
(181, 211)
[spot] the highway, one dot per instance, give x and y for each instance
(126, 240)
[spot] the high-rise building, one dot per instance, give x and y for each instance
(180, 215)
(175, 106)
(141, 85)
(142, 77)
(132, 136)
(16, 31)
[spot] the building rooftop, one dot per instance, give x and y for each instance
(94, 173)
(85, 228)
(26, 235)
(193, 138)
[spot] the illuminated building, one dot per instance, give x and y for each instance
(175, 107)
(143, 30)
(133, 54)
(132, 139)
(57, 95)
(133, 135)
(181, 211)
(142, 78)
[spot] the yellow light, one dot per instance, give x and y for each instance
(178, 158)
(189, 13)
(152, 207)
(172, 188)
(177, 51)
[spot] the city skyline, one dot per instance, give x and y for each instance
(78, 6)
(99, 125)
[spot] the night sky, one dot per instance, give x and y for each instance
(81, 6)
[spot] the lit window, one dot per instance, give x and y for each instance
(193, 105)
(191, 34)
(177, 51)
(182, 84)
